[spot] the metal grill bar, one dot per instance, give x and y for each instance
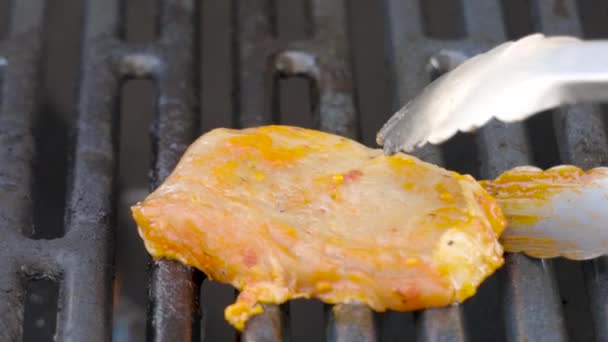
(19, 61)
(325, 60)
(86, 263)
(20, 67)
(173, 312)
(90, 198)
(351, 323)
(532, 307)
(269, 326)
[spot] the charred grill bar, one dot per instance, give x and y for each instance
(81, 260)
(20, 72)
(524, 293)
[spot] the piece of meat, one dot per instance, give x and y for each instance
(559, 212)
(282, 212)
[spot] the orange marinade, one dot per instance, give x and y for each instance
(282, 212)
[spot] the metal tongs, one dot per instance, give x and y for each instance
(510, 82)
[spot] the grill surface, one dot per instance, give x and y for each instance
(523, 301)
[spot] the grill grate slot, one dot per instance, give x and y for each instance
(305, 318)
(54, 120)
(442, 20)
(295, 102)
(40, 312)
(137, 106)
(292, 20)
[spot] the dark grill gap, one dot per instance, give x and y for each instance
(254, 58)
(5, 10)
(137, 100)
(443, 19)
(292, 20)
(40, 313)
(137, 108)
(55, 119)
(295, 102)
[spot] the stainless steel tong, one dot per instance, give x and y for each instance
(510, 82)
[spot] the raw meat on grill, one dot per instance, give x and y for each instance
(282, 212)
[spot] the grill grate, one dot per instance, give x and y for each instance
(522, 300)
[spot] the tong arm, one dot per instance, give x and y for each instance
(510, 82)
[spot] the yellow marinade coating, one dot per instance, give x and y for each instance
(283, 212)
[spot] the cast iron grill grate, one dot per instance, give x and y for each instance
(524, 301)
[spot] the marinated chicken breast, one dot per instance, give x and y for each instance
(282, 212)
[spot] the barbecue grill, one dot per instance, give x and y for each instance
(57, 271)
